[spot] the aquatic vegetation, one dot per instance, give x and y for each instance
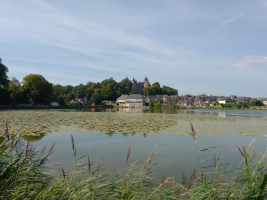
(38, 123)
(25, 176)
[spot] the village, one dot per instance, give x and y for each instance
(203, 101)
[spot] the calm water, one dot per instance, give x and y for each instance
(225, 128)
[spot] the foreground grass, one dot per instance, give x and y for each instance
(24, 175)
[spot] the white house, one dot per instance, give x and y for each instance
(121, 100)
(264, 101)
(224, 100)
(54, 104)
(135, 100)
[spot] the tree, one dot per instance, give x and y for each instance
(110, 89)
(96, 98)
(60, 100)
(67, 99)
(156, 84)
(256, 103)
(14, 89)
(146, 91)
(68, 88)
(88, 92)
(125, 86)
(79, 91)
(168, 90)
(155, 89)
(4, 81)
(58, 90)
(133, 90)
(37, 89)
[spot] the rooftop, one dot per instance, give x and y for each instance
(135, 96)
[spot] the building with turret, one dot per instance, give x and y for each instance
(139, 86)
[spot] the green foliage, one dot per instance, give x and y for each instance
(155, 89)
(168, 90)
(4, 82)
(256, 103)
(64, 99)
(96, 98)
(146, 91)
(174, 106)
(79, 91)
(151, 104)
(156, 84)
(158, 103)
(238, 105)
(227, 105)
(37, 89)
(23, 175)
(110, 89)
(125, 86)
(88, 92)
(14, 89)
(132, 91)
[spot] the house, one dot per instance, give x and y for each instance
(150, 98)
(54, 104)
(82, 100)
(224, 100)
(170, 100)
(160, 96)
(200, 104)
(238, 99)
(135, 100)
(233, 96)
(79, 101)
(121, 100)
(186, 103)
(74, 103)
(264, 101)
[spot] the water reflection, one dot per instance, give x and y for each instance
(175, 155)
(221, 114)
(200, 112)
(32, 138)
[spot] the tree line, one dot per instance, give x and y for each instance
(35, 89)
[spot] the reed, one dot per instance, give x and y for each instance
(24, 175)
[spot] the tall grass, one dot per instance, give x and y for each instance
(24, 175)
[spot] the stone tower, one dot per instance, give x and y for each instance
(146, 82)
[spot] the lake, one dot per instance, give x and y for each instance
(108, 134)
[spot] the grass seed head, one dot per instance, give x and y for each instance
(128, 154)
(192, 133)
(89, 164)
(51, 150)
(72, 142)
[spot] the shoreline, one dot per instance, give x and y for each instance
(51, 107)
(115, 107)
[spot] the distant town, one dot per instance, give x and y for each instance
(35, 90)
(139, 99)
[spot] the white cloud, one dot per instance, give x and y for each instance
(250, 61)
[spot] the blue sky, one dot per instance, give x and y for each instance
(211, 47)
